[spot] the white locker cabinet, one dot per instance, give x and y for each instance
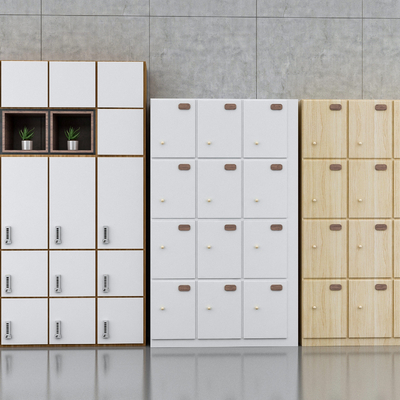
(219, 309)
(120, 132)
(120, 203)
(24, 203)
(72, 203)
(173, 128)
(24, 84)
(173, 309)
(72, 321)
(120, 321)
(67, 79)
(265, 188)
(173, 188)
(72, 273)
(265, 248)
(265, 309)
(219, 128)
(24, 274)
(219, 249)
(174, 249)
(120, 273)
(24, 321)
(120, 84)
(219, 189)
(265, 128)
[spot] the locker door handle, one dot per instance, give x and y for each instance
(58, 289)
(8, 330)
(58, 235)
(106, 330)
(106, 239)
(106, 280)
(8, 284)
(58, 330)
(8, 235)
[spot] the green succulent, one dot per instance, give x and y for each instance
(26, 133)
(72, 133)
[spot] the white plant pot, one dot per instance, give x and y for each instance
(26, 144)
(72, 145)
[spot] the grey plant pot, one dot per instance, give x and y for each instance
(72, 145)
(26, 144)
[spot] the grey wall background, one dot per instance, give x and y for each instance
(221, 48)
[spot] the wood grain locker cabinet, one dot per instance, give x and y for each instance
(27, 225)
(173, 130)
(396, 188)
(173, 188)
(174, 304)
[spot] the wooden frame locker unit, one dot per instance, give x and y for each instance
(224, 256)
(350, 222)
(73, 223)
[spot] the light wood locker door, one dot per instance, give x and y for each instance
(370, 129)
(72, 321)
(24, 202)
(396, 308)
(120, 203)
(324, 249)
(324, 309)
(120, 321)
(24, 274)
(72, 203)
(72, 84)
(24, 84)
(173, 127)
(397, 189)
(219, 128)
(324, 191)
(370, 308)
(370, 248)
(396, 128)
(173, 309)
(324, 128)
(370, 183)
(396, 245)
(120, 132)
(24, 321)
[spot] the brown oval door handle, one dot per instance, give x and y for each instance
(230, 227)
(276, 107)
(380, 227)
(380, 286)
(335, 107)
(230, 167)
(184, 227)
(381, 167)
(335, 227)
(276, 288)
(230, 288)
(276, 227)
(184, 167)
(276, 167)
(184, 288)
(184, 106)
(230, 107)
(335, 167)
(335, 287)
(381, 107)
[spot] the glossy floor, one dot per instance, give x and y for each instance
(196, 374)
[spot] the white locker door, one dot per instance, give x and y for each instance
(220, 249)
(24, 202)
(120, 273)
(173, 246)
(265, 188)
(120, 132)
(265, 128)
(120, 203)
(173, 309)
(220, 189)
(24, 274)
(173, 189)
(72, 273)
(72, 321)
(173, 128)
(25, 320)
(72, 202)
(265, 310)
(219, 310)
(265, 248)
(120, 321)
(219, 128)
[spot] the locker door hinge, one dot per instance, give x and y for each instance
(58, 330)
(106, 330)
(58, 284)
(106, 280)
(8, 284)
(8, 330)
(8, 235)
(58, 235)
(106, 239)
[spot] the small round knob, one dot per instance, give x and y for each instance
(209, 200)
(360, 143)
(256, 200)
(360, 200)
(162, 247)
(360, 307)
(314, 143)
(162, 142)
(314, 246)
(208, 308)
(314, 200)
(360, 246)
(314, 307)
(256, 307)
(162, 308)
(256, 246)
(208, 143)
(162, 200)
(208, 247)
(256, 143)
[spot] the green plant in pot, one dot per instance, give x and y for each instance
(72, 135)
(26, 136)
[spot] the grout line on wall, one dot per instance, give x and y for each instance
(362, 49)
(256, 50)
(41, 30)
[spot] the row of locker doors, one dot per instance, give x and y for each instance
(219, 309)
(52, 202)
(220, 187)
(71, 321)
(217, 247)
(71, 273)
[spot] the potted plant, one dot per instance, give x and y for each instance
(72, 135)
(26, 136)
